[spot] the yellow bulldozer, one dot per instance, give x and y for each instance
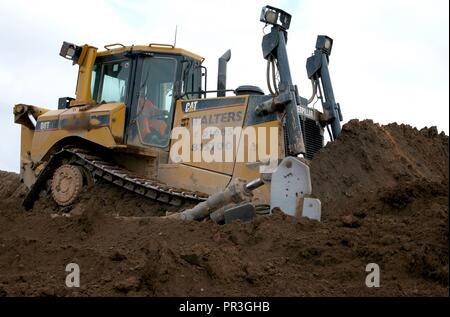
(143, 119)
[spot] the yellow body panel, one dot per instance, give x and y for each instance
(211, 117)
(43, 143)
(215, 176)
(79, 122)
(192, 178)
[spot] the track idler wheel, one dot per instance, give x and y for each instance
(67, 183)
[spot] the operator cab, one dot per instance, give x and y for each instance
(148, 80)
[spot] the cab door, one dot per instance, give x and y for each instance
(151, 112)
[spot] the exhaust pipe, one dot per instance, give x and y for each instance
(222, 73)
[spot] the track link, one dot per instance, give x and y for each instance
(110, 172)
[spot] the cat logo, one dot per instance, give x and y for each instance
(190, 106)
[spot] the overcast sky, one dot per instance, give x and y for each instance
(389, 62)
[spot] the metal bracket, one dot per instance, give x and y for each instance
(290, 185)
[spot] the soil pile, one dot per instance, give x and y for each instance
(384, 191)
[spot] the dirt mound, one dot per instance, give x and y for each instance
(384, 191)
(369, 159)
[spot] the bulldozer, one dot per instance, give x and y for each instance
(136, 108)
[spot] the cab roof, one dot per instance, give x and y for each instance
(155, 48)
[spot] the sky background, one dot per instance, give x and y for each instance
(389, 63)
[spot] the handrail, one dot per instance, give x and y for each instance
(162, 45)
(107, 47)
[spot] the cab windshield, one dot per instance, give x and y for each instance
(153, 108)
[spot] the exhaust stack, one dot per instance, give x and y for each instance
(222, 73)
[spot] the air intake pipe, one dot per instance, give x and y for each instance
(222, 73)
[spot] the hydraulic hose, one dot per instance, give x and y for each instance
(273, 90)
(268, 79)
(314, 91)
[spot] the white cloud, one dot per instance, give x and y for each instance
(389, 60)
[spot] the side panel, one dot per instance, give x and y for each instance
(192, 178)
(260, 137)
(218, 113)
(103, 124)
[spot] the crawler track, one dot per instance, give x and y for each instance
(101, 168)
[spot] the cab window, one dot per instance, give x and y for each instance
(191, 79)
(110, 81)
